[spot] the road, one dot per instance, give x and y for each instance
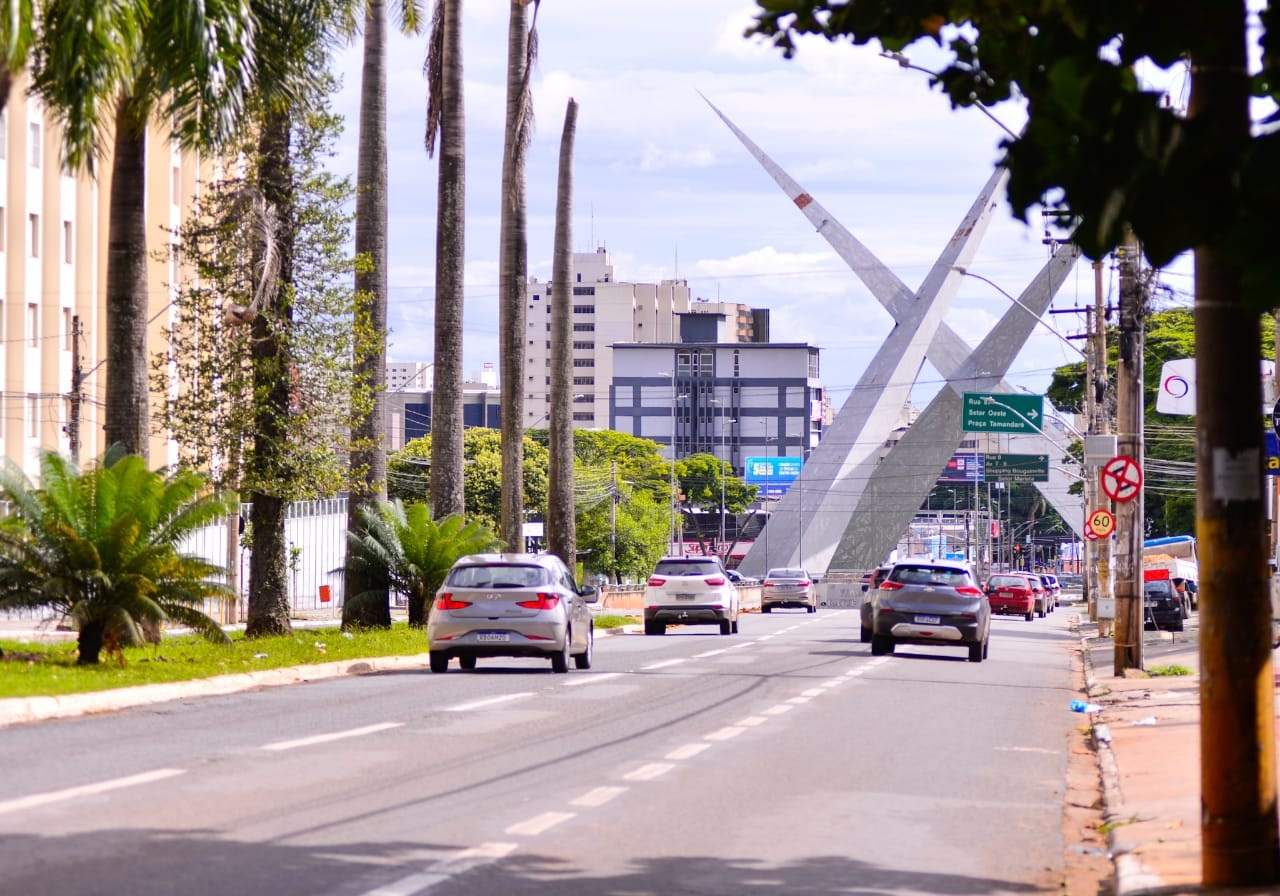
(783, 760)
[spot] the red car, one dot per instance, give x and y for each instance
(1011, 593)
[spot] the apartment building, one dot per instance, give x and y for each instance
(53, 247)
(605, 312)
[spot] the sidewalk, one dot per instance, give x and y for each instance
(1148, 739)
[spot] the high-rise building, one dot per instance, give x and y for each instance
(53, 247)
(605, 312)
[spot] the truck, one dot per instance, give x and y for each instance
(1176, 555)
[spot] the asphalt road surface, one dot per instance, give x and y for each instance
(782, 760)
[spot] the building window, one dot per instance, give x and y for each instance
(584, 362)
(584, 381)
(66, 242)
(584, 309)
(584, 418)
(67, 335)
(584, 290)
(177, 185)
(584, 328)
(33, 416)
(33, 325)
(585, 346)
(35, 145)
(34, 221)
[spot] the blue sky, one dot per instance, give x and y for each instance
(668, 190)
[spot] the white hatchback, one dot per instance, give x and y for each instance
(690, 591)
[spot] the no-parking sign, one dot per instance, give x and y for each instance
(1122, 478)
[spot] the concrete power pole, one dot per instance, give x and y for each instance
(76, 397)
(1129, 443)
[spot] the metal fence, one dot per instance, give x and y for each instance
(316, 535)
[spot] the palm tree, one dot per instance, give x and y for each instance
(561, 532)
(188, 63)
(513, 261)
(445, 116)
(103, 548)
(368, 424)
(17, 33)
(403, 550)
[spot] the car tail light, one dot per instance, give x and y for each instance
(656, 581)
(715, 580)
(446, 602)
(969, 591)
(544, 601)
(537, 638)
(967, 615)
(770, 585)
(890, 586)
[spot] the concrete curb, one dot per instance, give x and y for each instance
(21, 710)
(1131, 875)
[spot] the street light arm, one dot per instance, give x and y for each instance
(903, 62)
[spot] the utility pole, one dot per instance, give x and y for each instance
(1129, 443)
(1238, 829)
(1099, 424)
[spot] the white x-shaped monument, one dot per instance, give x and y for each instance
(849, 508)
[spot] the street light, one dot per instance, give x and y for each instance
(724, 552)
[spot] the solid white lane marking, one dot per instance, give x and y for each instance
(539, 823)
(663, 664)
(688, 751)
(598, 796)
(751, 721)
(326, 738)
(57, 796)
(649, 772)
(777, 710)
(441, 871)
(491, 701)
(591, 679)
(724, 733)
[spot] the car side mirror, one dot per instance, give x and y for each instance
(865, 588)
(589, 593)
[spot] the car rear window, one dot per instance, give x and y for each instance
(929, 575)
(498, 576)
(1008, 582)
(787, 574)
(687, 567)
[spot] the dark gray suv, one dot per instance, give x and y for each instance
(936, 602)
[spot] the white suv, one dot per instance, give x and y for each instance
(690, 591)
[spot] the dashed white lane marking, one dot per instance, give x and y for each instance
(441, 871)
(798, 700)
(764, 637)
(649, 772)
(688, 751)
(777, 710)
(725, 733)
(491, 701)
(1027, 750)
(598, 796)
(813, 692)
(591, 679)
(662, 665)
(57, 796)
(705, 653)
(326, 738)
(539, 823)
(751, 721)
(832, 682)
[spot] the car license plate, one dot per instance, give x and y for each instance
(493, 636)
(685, 596)
(928, 620)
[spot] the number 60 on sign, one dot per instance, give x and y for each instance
(1101, 524)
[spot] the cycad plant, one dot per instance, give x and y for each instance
(102, 547)
(402, 549)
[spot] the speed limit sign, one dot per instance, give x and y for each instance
(1101, 524)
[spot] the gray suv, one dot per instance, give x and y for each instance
(934, 602)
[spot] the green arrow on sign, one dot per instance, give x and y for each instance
(1002, 412)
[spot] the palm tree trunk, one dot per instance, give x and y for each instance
(446, 395)
(127, 413)
(89, 643)
(268, 612)
(512, 268)
(562, 536)
(368, 426)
